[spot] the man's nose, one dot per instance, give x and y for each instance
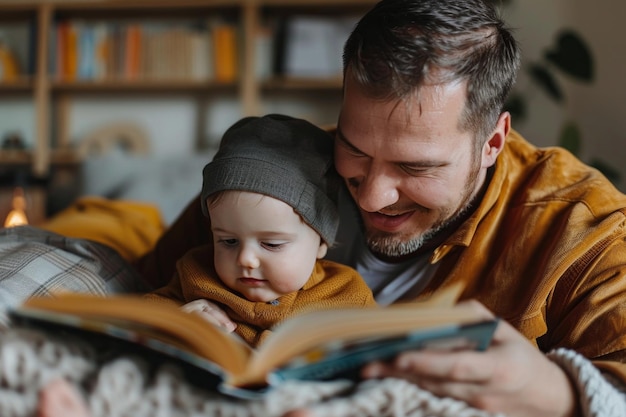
(377, 190)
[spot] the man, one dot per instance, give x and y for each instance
(445, 192)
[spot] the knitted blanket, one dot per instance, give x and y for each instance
(37, 262)
(127, 385)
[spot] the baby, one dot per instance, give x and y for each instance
(271, 196)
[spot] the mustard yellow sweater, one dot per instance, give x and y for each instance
(331, 285)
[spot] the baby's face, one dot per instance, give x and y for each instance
(263, 249)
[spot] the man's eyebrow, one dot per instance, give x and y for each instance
(345, 141)
(424, 164)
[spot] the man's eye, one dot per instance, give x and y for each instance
(413, 170)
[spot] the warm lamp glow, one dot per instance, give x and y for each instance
(17, 215)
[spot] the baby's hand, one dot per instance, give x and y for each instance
(211, 313)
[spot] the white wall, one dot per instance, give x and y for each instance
(170, 121)
(598, 108)
(17, 116)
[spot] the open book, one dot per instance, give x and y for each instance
(318, 345)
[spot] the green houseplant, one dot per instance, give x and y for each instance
(570, 56)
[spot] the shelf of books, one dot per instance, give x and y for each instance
(17, 23)
(52, 51)
(161, 50)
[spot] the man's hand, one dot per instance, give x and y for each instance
(511, 376)
(211, 313)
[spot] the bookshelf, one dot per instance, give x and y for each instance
(52, 75)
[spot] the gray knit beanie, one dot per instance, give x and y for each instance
(285, 158)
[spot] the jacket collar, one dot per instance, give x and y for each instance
(496, 184)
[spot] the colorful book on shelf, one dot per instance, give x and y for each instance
(318, 345)
(101, 50)
(67, 50)
(224, 36)
(132, 50)
(86, 52)
(201, 54)
(9, 66)
(60, 47)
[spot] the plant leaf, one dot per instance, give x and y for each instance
(546, 81)
(572, 56)
(570, 138)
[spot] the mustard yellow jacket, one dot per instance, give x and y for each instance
(331, 285)
(545, 250)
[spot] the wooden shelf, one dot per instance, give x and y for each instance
(23, 84)
(25, 157)
(15, 157)
(147, 5)
(20, 11)
(52, 96)
(157, 86)
(134, 9)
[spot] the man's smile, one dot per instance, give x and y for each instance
(386, 222)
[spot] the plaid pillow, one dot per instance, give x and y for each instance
(36, 262)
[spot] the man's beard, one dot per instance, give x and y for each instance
(393, 246)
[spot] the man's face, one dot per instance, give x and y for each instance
(407, 165)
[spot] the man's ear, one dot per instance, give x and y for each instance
(322, 250)
(495, 144)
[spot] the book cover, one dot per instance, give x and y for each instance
(319, 345)
(344, 358)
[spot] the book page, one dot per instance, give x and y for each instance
(163, 322)
(308, 331)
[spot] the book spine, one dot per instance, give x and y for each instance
(101, 46)
(86, 52)
(9, 66)
(60, 49)
(31, 57)
(144, 50)
(200, 50)
(279, 46)
(225, 52)
(71, 48)
(132, 51)
(264, 51)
